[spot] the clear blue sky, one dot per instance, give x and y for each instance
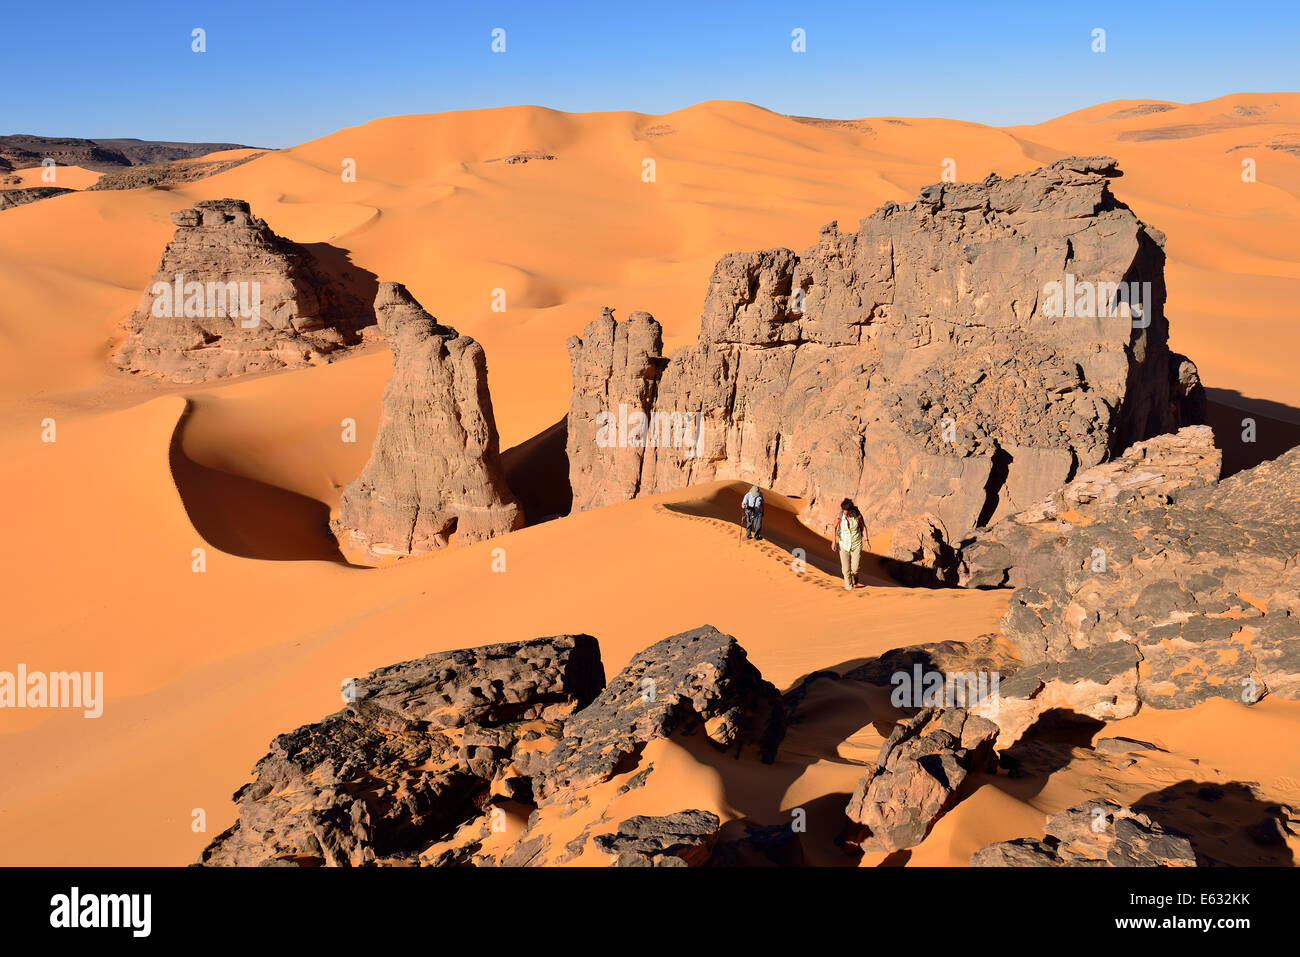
(278, 73)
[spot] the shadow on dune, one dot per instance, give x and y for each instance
(355, 287)
(1226, 823)
(1277, 428)
(537, 471)
(1046, 747)
(248, 518)
(825, 711)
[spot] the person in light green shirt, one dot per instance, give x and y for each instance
(850, 530)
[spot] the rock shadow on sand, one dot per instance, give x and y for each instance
(247, 518)
(1226, 823)
(1273, 428)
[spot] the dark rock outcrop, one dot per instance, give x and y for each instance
(696, 682)
(917, 776)
(1020, 549)
(683, 839)
(168, 175)
(420, 765)
(413, 756)
(1159, 586)
(231, 297)
(435, 468)
(1097, 834)
(23, 150)
(698, 679)
(11, 198)
(924, 365)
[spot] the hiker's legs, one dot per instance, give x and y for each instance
(853, 563)
(749, 522)
(758, 524)
(845, 560)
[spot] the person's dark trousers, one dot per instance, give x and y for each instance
(753, 523)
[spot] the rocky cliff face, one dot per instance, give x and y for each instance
(616, 369)
(231, 297)
(958, 357)
(435, 468)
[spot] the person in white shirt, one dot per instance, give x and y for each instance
(752, 509)
(850, 530)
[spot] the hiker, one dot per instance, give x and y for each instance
(850, 530)
(752, 508)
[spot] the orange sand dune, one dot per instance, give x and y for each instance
(202, 669)
(67, 177)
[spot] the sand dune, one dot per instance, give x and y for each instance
(67, 177)
(202, 669)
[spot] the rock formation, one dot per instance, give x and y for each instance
(698, 678)
(697, 682)
(683, 839)
(960, 357)
(1149, 583)
(1021, 548)
(420, 764)
(231, 297)
(24, 150)
(917, 775)
(435, 468)
(168, 175)
(414, 754)
(616, 369)
(11, 198)
(1096, 834)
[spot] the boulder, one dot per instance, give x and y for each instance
(697, 680)
(1016, 550)
(1096, 834)
(917, 776)
(682, 839)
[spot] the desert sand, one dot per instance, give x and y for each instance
(203, 669)
(67, 177)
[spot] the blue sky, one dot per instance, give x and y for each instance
(277, 73)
